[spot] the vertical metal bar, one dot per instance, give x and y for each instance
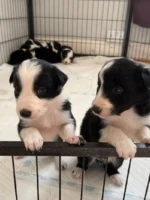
(14, 175)
(108, 6)
(104, 181)
(101, 29)
(128, 172)
(30, 18)
(77, 25)
(127, 28)
(96, 31)
(59, 177)
(37, 178)
(87, 23)
(83, 164)
(147, 188)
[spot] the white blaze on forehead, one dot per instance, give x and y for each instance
(70, 54)
(27, 72)
(101, 75)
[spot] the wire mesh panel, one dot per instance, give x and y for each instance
(139, 44)
(35, 170)
(13, 26)
(89, 26)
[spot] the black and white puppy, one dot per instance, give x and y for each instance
(67, 55)
(19, 56)
(120, 112)
(44, 112)
(32, 44)
(55, 53)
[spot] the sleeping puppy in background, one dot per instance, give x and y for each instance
(25, 52)
(67, 55)
(55, 53)
(44, 111)
(32, 44)
(19, 56)
(120, 112)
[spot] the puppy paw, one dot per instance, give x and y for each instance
(77, 173)
(126, 149)
(116, 179)
(64, 165)
(146, 140)
(33, 141)
(73, 140)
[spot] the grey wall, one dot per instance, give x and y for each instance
(13, 26)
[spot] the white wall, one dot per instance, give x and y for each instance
(13, 26)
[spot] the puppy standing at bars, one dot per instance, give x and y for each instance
(45, 113)
(120, 112)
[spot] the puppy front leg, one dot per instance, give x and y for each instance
(124, 145)
(67, 134)
(32, 138)
(143, 135)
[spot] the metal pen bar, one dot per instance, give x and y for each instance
(37, 177)
(127, 28)
(14, 175)
(59, 177)
(147, 188)
(30, 18)
(128, 172)
(83, 164)
(104, 181)
(65, 149)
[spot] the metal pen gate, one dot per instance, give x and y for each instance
(64, 149)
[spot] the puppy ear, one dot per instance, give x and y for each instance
(11, 78)
(61, 76)
(146, 77)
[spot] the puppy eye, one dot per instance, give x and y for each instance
(41, 91)
(117, 90)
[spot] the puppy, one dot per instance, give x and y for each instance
(54, 47)
(67, 55)
(44, 112)
(19, 56)
(47, 54)
(55, 53)
(31, 44)
(120, 112)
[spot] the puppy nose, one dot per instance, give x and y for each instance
(96, 109)
(25, 113)
(65, 62)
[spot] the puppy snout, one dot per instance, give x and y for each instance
(96, 109)
(25, 113)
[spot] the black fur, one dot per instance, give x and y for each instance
(48, 55)
(133, 79)
(51, 79)
(28, 43)
(19, 56)
(67, 107)
(91, 131)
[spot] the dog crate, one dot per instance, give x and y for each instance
(98, 27)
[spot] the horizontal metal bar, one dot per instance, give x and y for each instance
(79, 18)
(18, 38)
(64, 149)
(14, 18)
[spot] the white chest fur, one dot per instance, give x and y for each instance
(129, 122)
